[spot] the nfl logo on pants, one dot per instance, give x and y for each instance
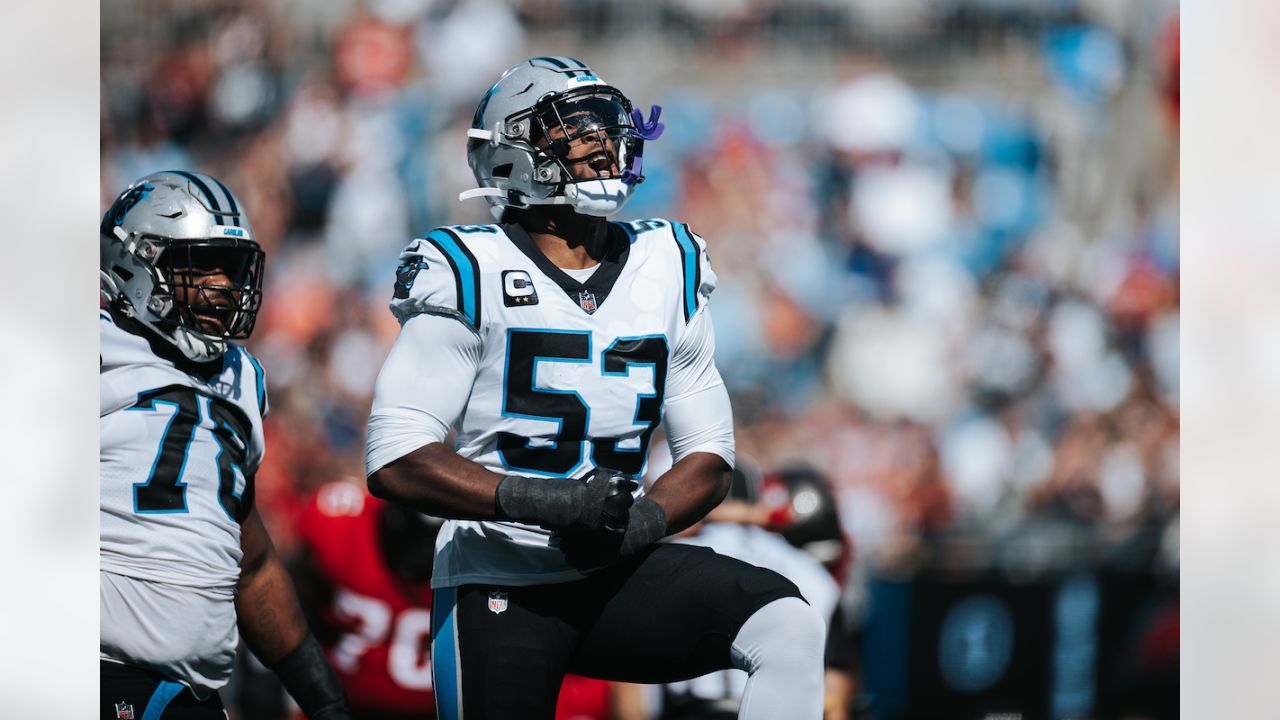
(497, 601)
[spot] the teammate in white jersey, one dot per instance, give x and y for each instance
(554, 343)
(184, 555)
(775, 536)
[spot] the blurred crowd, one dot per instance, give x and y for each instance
(946, 231)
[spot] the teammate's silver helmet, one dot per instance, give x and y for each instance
(551, 132)
(177, 254)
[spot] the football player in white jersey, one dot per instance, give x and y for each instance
(185, 558)
(554, 342)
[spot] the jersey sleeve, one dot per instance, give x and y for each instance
(699, 280)
(422, 388)
(697, 416)
(439, 275)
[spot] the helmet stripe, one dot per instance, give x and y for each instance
(554, 61)
(565, 67)
(231, 201)
(208, 194)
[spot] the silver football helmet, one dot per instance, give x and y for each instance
(551, 132)
(177, 254)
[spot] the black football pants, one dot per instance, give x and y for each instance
(133, 692)
(670, 613)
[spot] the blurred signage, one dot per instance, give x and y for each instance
(1065, 646)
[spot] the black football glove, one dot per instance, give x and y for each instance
(307, 675)
(588, 550)
(585, 550)
(600, 501)
(646, 525)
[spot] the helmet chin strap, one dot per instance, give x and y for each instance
(497, 192)
(198, 347)
(480, 192)
(608, 199)
(603, 202)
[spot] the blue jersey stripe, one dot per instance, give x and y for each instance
(466, 273)
(689, 257)
(165, 692)
(261, 377)
(445, 669)
(626, 228)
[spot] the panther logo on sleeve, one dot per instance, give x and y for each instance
(405, 275)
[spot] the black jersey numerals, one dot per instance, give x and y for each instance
(165, 491)
(523, 398)
(619, 358)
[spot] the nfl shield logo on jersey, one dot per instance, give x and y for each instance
(124, 711)
(497, 601)
(587, 300)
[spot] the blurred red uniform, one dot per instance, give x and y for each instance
(370, 568)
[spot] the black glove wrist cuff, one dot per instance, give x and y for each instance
(307, 675)
(544, 501)
(646, 526)
(505, 496)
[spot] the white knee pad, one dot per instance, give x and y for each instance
(781, 647)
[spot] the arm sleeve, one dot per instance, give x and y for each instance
(422, 388)
(697, 417)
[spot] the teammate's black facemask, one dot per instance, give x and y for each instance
(216, 287)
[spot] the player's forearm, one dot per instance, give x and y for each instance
(267, 610)
(688, 491)
(266, 606)
(272, 625)
(437, 481)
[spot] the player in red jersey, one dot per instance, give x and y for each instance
(366, 579)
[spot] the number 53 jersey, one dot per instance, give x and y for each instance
(561, 371)
(178, 454)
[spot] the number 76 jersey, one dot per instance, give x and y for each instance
(177, 459)
(571, 371)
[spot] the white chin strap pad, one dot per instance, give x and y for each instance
(601, 198)
(198, 347)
